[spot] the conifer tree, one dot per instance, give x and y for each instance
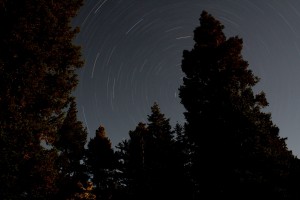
(236, 149)
(37, 69)
(151, 166)
(133, 157)
(70, 144)
(181, 150)
(101, 162)
(166, 172)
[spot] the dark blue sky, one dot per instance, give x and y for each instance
(133, 50)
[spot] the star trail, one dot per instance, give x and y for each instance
(133, 50)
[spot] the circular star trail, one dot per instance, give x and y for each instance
(133, 50)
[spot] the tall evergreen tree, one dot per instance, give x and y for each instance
(132, 154)
(151, 166)
(70, 144)
(236, 149)
(101, 162)
(166, 170)
(37, 70)
(181, 150)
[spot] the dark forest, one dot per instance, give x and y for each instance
(228, 147)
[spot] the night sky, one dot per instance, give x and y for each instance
(133, 51)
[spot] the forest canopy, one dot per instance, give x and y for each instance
(228, 146)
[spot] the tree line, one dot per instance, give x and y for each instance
(227, 147)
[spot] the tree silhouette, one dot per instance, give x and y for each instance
(182, 153)
(70, 143)
(37, 69)
(101, 163)
(235, 148)
(132, 154)
(163, 173)
(151, 162)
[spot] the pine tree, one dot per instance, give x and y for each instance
(150, 159)
(181, 150)
(70, 144)
(166, 172)
(38, 63)
(236, 149)
(159, 126)
(101, 162)
(133, 158)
